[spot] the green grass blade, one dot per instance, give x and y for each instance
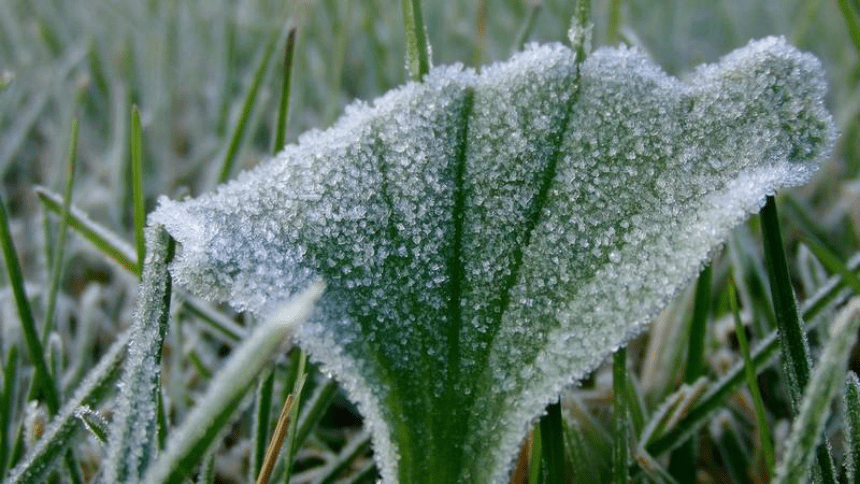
(59, 246)
(795, 349)
(134, 438)
(10, 379)
(314, 410)
(28, 324)
(104, 240)
(189, 443)
(552, 444)
(833, 264)
(683, 462)
(296, 391)
(112, 246)
(536, 459)
(262, 413)
(851, 402)
(752, 383)
(62, 428)
(581, 30)
(416, 43)
(620, 454)
(614, 24)
(850, 16)
(761, 356)
(808, 426)
(732, 449)
(137, 186)
(526, 29)
(698, 327)
(247, 106)
(355, 448)
(286, 81)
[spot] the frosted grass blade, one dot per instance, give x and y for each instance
(417, 53)
(107, 242)
(489, 236)
(189, 442)
(40, 460)
(115, 248)
(133, 440)
(851, 409)
(807, 428)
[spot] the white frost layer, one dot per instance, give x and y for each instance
(489, 238)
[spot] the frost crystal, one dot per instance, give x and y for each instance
(488, 238)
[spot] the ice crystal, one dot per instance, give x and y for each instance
(489, 238)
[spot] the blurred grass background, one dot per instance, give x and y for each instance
(188, 67)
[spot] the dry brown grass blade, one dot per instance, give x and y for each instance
(277, 442)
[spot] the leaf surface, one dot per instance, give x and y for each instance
(489, 238)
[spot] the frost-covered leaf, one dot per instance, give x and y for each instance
(488, 238)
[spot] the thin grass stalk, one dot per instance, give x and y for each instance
(271, 454)
(417, 57)
(526, 28)
(28, 324)
(832, 262)
(286, 81)
(10, 380)
(59, 246)
(552, 443)
(795, 350)
(262, 413)
(620, 452)
(850, 15)
(808, 427)
(137, 186)
(851, 402)
(536, 458)
(314, 410)
(356, 447)
(247, 106)
(752, 383)
(297, 391)
(614, 24)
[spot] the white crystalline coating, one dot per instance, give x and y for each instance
(487, 239)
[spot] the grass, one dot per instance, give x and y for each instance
(205, 80)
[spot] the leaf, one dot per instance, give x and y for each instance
(489, 238)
